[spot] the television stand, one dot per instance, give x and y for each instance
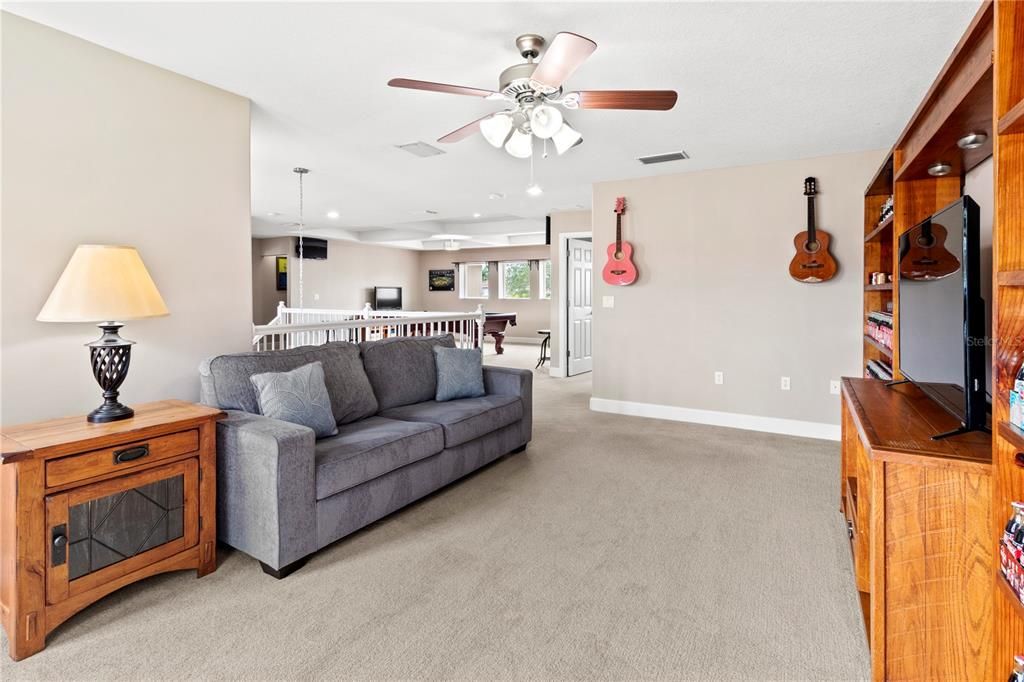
(896, 382)
(960, 430)
(918, 515)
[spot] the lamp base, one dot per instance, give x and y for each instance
(110, 413)
(110, 356)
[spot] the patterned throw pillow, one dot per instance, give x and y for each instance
(460, 373)
(299, 396)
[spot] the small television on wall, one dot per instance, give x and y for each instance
(942, 333)
(387, 298)
(312, 249)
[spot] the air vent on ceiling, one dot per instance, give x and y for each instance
(420, 149)
(663, 158)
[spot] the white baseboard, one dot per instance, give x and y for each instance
(558, 373)
(749, 422)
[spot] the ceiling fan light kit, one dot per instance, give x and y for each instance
(534, 91)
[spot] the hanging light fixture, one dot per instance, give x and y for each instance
(496, 129)
(545, 120)
(566, 138)
(302, 224)
(520, 145)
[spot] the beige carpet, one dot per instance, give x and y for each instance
(613, 548)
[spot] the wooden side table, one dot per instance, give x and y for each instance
(86, 509)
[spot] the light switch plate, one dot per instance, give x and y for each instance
(833, 387)
(608, 301)
(719, 378)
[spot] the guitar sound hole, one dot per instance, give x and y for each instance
(926, 241)
(812, 247)
(617, 255)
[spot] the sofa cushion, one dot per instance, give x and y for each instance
(463, 420)
(225, 378)
(299, 396)
(402, 370)
(370, 448)
(460, 373)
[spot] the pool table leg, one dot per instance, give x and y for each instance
(498, 339)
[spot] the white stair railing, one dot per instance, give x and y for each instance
(294, 327)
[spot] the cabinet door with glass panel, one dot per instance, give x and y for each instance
(102, 531)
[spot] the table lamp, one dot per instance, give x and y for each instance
(101, 284)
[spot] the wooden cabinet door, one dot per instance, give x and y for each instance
(100, 532)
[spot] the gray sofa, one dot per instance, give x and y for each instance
(282, 494)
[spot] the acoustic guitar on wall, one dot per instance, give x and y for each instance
(812, 263)
(619, 270)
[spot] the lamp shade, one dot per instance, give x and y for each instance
(103, 283)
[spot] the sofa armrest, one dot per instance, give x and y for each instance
(266, 487)
(512, 381)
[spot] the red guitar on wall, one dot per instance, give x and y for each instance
(619, 270)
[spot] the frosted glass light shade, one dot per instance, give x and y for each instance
(496, 129)
(545, 121)
(566, 138)
(103, 284)
(520, 145)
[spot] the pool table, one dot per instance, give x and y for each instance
(495, 326)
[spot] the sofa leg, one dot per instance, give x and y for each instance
(284, 571)
(521, 448)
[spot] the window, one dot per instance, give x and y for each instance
(515, 279)
(473, 280)
(545, 279)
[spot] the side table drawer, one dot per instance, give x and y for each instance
(120, 458)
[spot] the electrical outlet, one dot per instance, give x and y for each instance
(833, 387)
(719, 378)
(785, 384)
(608, 301)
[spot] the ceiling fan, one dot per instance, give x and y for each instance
(534, 92)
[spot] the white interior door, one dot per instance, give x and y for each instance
(581, 307)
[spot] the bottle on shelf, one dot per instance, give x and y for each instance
(1018, 670)
(1009, 550)
(1017, 400)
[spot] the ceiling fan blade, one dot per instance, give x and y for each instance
(439, 87)
(657, 100)
(566, 52)
(463, 132)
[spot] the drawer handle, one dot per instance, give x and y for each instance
(130, 454)
(60, 542)
(1018, 459)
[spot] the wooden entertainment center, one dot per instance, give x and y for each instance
(926, 517)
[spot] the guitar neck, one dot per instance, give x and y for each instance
(618, 231)
(811, 232)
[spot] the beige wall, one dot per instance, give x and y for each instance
(562, 222)
(531, 314)
(346, 279)
(714, 292)
(101, 148)
(265, 295)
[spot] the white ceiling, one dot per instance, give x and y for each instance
(757, 82)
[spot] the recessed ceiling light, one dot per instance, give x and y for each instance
(534, 190)
(495, 195)
(476, 215)
(333, 214)
(972, 141)
(939, 169)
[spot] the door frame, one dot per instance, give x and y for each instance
(561, 342)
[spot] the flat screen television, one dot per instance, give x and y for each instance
(942, 333)
(387, 298)
(312, 248)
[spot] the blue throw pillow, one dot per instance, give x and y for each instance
(299, 396)
(460, 373)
